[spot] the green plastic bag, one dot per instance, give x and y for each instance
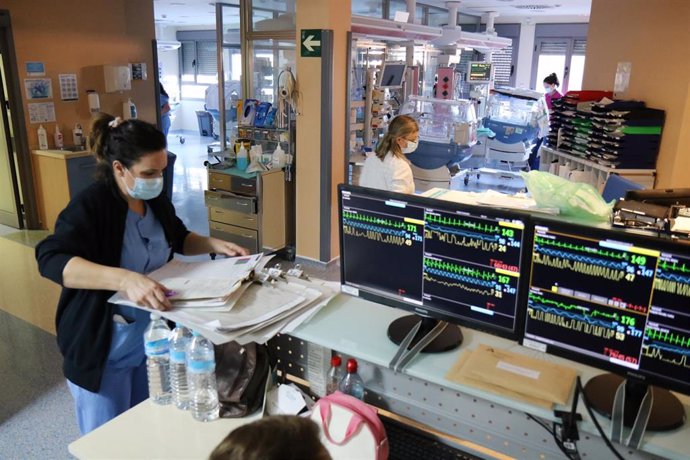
(573, 199)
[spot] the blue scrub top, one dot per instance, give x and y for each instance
(144, 249)
(165, 118)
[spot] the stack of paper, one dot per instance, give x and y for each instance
(211, 298)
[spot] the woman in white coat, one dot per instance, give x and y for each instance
(388, 169)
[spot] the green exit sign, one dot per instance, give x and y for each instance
(310, 43)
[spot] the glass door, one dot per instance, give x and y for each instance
(563, 56)
(229, 61)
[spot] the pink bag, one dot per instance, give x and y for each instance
(356, 425)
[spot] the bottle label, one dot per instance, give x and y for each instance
(200, 367)
(177, 356)
(157, 347)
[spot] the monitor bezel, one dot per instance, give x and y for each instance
(384, 66)
(635, 237)
(422, 310)
(469, 72)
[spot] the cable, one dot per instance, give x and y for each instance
(594, 419)
(552, 432)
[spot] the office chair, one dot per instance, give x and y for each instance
(616, 186)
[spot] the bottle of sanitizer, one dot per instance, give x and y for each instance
(42, 138)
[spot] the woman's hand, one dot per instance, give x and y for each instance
(227, 248)
(144, 291)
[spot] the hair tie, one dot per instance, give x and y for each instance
(115, 123)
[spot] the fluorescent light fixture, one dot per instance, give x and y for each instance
(387, 30)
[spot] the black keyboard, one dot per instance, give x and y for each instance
(408, 443)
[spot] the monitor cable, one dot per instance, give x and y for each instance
(553, 434)
(609, 444)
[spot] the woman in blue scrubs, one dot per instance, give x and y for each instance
(106, 239)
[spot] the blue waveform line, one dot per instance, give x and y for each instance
(479, 236)
(567, 314)
(672, 277)
(458, 277)
(671, 348)
(586, 259)
(374, 228)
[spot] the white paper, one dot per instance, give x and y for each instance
(519, 370)
(198, 288)
(284, 400)
(68, 86)
(41, 112)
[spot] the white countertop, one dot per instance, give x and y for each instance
(62, 154)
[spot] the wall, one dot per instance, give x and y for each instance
(71, 34)
(655, 38)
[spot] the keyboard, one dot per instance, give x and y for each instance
(408, 443)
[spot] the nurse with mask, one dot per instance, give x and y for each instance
(388, 169)
(551, 93)
(107, 239)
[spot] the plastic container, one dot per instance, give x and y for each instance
(335, 375)
(278, 160)
(59, 139)
(78, 135)
(42, 138)
(352, 383)
(242, 159)
(129, 110)
(179, 340)
(157, 348)
(201, 377)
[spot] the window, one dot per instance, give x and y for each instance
(199, 62)
(560, 49)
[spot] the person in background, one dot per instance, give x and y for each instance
(388, 169)
(165, 110)
(551, 93)
(279, 437)
(106, 239)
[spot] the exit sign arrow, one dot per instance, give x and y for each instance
(310, 43)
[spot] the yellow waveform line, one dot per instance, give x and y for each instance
(655, 353)
(571, 324)
(376, 236)
(462, 286)
(464, 241)
(579, 267)
(672, 287)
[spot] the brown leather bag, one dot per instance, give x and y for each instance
(241, 373)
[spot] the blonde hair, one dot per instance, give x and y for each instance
(400, 126)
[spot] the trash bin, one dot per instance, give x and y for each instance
(168, 174)
(205, 123)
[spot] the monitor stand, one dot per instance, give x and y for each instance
(449, 339)
(667, 411)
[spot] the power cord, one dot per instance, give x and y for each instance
(553, 434)
(581, 389)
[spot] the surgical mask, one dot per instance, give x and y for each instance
(549, 89)
(411, 147)
(145, 189)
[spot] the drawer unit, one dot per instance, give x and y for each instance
(230, 202)
(233, 218)
(235, 184)
(244, 237)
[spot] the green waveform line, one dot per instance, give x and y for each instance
(462, 223)
(454, 268)
(565, 306)
(668, 337)
(674, 267)
(575, 247)
(373, 220)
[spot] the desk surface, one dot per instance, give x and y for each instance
(150, 431)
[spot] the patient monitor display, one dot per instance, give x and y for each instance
(392, 75)
(479, 72)
(442, 260)
(617, 301)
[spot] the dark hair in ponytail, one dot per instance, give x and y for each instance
(552, 79)
(124, 141)
(400, 126)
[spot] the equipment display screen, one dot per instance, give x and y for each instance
(479, 72)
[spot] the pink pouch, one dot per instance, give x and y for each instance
(357, 427)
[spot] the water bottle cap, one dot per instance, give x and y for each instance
(155, 316)
(351, 366)
(336, 361)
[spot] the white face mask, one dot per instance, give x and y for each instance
(411, 147)
(145, 189)
(549, 89)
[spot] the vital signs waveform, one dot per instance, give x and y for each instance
(377, 236)
(581, 248)
(462, 223)
(580, 258)
(669, 337)
(558, 318)
(373, 220)
(461, 278)
(674, 266)
(374, 228)
(672, 287)
(482, 242)
(572, 315)
(459, 269)
(585, 311)
(667, 354)
(672, 277)
(459, 285)
(579, 267)
(441, 232)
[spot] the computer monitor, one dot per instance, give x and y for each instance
(619, 301)
(440, 260)
(664, 197)
(479, 72)
(392, 75)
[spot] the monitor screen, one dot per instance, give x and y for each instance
(392, 75)
(613, 299)
(448, 261)
(479, 72)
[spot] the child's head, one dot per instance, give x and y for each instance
(279, 437)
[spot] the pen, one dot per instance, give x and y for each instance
(170, 293)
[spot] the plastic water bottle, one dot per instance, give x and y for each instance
(335, 375)
(201, 376)
(179, 340)
(157, 348)
(352, 383)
